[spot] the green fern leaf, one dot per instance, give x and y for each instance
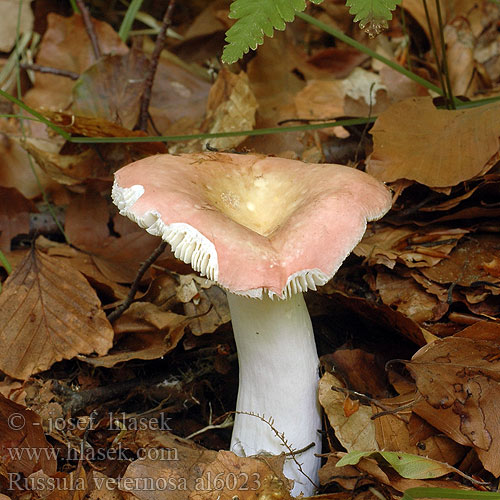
(256, 18)
(372, 14)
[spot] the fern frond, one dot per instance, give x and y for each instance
(372, 14)
(256, 18)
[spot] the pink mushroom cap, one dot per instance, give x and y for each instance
(255, 224)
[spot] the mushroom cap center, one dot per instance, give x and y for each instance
(261, 202)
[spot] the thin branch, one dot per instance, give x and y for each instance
(49, 70)
(90, 28)
(135, 285)
(142, 124)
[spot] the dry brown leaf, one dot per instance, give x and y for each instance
(320, 99)
(368, 469)
(14, 216)
(274, 84)
(248, 478)
(66, 45)
(151, 333)
(112, 88)
(367, 377)
(409, 298)
(231, 106)
(49, 312)
(208, 308)
(14, 15)
(411, 247)
(394, 432)
(21, 430)
(356, 432)
(436, 147)
(15, 169)
(83, 262)
(179, 93)
(338, 61)
(459, 379)
(187, 471)
(66, 169)
(460, 44)
(98, 127)
(119, 258)
(482, 330)
(466, 264)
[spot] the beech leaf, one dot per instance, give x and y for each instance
(436, 147)
(49, 312)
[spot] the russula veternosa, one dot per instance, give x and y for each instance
(266, 229)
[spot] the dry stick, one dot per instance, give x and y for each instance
(52, 71)
(135, 285)
(90, 28)
(142, 124)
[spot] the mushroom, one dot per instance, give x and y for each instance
(265, 229)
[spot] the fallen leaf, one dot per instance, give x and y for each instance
(21, 435)
(231, 107)
(49, 313)
(112, 88)
(459, 379)
(405, 464)
(66, 169)
(406, 245)
(356, 432)
(65, 45)
(466, 264)
(409, 298)
(16, 17)
(436, 147)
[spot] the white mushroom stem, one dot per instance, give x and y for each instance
(278, 380)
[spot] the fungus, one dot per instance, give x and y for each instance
(265, 229)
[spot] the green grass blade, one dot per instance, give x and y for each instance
(413, 493)
(128, 19)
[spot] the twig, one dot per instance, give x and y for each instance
(135, 285)
(52, 71)
(228, 422)
(90, 28)
(142, 124)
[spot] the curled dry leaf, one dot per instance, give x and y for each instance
(459, 379)
(406, 245)
(151, 333)
(436, 147)
(65, 169)
(231, 106)
(49, 312)
(356, 432)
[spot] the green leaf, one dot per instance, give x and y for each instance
(405, 464)
(372, 14)
(256, 18)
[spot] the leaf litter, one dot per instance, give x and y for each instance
(408, 327)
